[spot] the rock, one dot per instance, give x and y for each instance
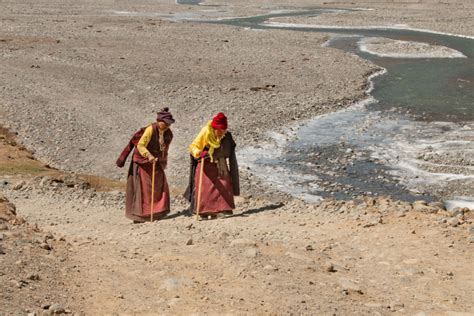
(453, 221)
(251, 253)
(456, 211)
(223, 236)
(189, 242)
(269, 268)
(33, 276)
(349, 286)
(299, 257)
(174, 301)
(173, 283)
(242, 243)
(19, 185)
(437, 205)
(329, 267)
(395, 306)
(56, 309)
(45, 306)
(45, 245)
(421, 206)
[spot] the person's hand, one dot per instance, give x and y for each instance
(152, 158)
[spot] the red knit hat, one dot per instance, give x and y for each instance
(219, 121)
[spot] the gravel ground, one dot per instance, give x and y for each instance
(79, 77)
(77, 84)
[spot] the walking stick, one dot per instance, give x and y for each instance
(152, 190)
(200, 188)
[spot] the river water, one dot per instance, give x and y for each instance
(401, 142)
(412, 138)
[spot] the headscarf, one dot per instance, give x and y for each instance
(165, 116)
(212, 140)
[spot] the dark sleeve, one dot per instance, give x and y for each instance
(234, 168)
(169, 137)
(123, 156)
(188, 194)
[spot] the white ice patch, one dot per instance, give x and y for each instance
(385, 47)
(251, 158)
(460, 201)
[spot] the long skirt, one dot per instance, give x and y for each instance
(138, 198)
(217, 194)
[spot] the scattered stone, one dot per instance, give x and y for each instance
(242, 242)
(299, 257)
(453, 222)
(33, 276)
(329, 267)
(45, 245)
(189, 242)
(349, 286)
(251, 253)
(57, 309)
(437, 205)
(223, 236)
(455, 212)
(19, 185)
(270, 268)
(395, 306)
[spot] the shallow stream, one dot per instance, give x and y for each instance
(414, 135)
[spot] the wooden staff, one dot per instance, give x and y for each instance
(152, 190)
(200, 188)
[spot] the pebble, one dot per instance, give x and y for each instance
(329, 267)
(242, 242)
(269, 268)
(349, 286)
(57, 309)
(395, 306)
(251, 253)
(19, 185)
(33, 276)
(453, 222)
(299, 257)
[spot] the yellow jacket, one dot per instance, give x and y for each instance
(199, 142)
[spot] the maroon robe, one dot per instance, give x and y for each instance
(218, 186)
(139, 181)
